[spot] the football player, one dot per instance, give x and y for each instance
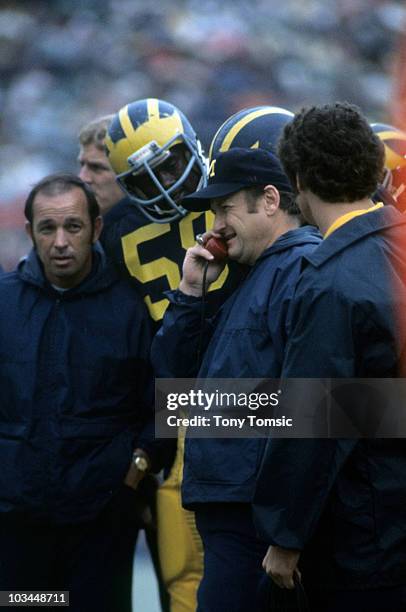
(158, 159)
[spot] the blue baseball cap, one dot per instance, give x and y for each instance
(238, 169)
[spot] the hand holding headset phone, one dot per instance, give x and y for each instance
(215, 245)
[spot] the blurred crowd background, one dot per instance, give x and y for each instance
(63, 63)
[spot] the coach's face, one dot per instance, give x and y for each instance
(246, 225)
(62, 234)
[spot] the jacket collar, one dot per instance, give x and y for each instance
(102, 274)
(355, 230)
(307, 234)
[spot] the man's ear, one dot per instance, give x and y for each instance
(98, 226)
(28, 230)
(271, 199)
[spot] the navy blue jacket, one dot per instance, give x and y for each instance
(344, 501)
(75, 391)
(248, 339)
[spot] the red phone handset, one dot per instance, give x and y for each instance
(216, 246)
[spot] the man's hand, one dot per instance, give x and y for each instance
(134, 475)
(281, 565)
(193, 267)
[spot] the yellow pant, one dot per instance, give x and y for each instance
(179, 544)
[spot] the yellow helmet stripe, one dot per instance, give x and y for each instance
(127, 127)
(392, 135)
(392, 158)
(158, 128)
(152, 108)
(235, 130)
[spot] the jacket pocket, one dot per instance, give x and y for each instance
(223, 461)
(11, 473)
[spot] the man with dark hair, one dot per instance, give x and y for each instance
(333, 510)
(315, 154)
(256, 216)
(75, 402)
(59, 183)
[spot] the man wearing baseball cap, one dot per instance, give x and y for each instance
(257, 219)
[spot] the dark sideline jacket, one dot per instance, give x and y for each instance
(245, 340)
(75, 391)
(343, 501)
